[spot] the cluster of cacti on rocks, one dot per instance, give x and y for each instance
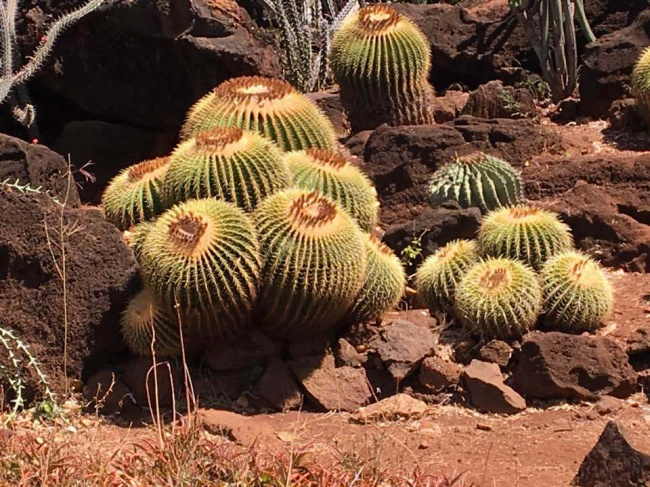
(521, 266)
(255, 219)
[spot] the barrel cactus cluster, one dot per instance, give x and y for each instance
(256, 219)
(521, 271)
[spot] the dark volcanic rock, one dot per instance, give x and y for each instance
(560, 366)
(106, 393)
(346, 354)
(437, 374)
(279, 387)
(331, 105)
(159, 388)
(624, 115)
(614, 461)
(494, 100)
(497, 352)
(244, 353)
(639, 341)
(487, 390)
(449, 106)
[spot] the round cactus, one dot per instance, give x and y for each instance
(499, 299)
(268, 106)
(135, 194)
(381, 61)
(440, 273)
(384, 283)
(525, 233)
(203, 254)
(313, 262)
(144, 317)
(641, 84)
(332, 175)
(227, 163)
(136, 236)
(577, 294)
(476, 180)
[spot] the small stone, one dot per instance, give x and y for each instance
(437, 374)
(608, 405)
(497, 352)
(399, 406)
(487, 390)
(483, 427)
(424, 445)
(639, 341)
(279, 387)
(348, 355)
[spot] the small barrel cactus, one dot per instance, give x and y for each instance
(332, 175)
(135, 194)
(525, 233)
(440, 273)
(383, 286)
(641, 84)
(226, 163)
(478, 180)
(268, 106)
(381, 61)
(204, 255)
(577, 294)
(136, 236)
(499, 299)
(313, 262)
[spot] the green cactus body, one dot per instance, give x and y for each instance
(641, 84)
(204, 255)
(226, 163)
(525, 233)
(476, 180)
(383, 286)
(136, 236)
(143, 317)
(332, 175)
(313, 263)
(577, 295)
(135, 194)
(268, 106)
(381, 61)
(499, 299)
(440, 273)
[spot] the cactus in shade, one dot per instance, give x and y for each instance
(499, 299)
(313, 262)
(384, 283)
(268, 106)
(331, 174)
(144, 317)
(227, 163)
(641, 84)
(136, 236)
(438, 276)
(381, 61)
(525, 233)
(478, 180)
(577, 294)
(204, 255)
(135, 194)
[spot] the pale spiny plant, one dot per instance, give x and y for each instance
(12, 75)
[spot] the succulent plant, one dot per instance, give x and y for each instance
(499, 299)
(313, 262)
(479, 180)
(381, 61)
(268, 106)
(525, 233)
(440, 273)
(577, 294)
(135, 194)
(226, 163)
(641, 84)
(330, 173)
(204, 255)
(136, 236)
(384, 283)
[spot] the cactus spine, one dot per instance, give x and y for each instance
(499, 299)
(641, 84)
(332, 175)
(381, 61)
(135, 194)
(476, 180)
(313, 262)
(268, 106)
(525, 233)
(438, 276)
(226, 163)
(577, 294)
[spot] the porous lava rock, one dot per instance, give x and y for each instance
(497, 352)
(494, 100)
(154, 387)
(278, 386)
(488, 391)
(437, 374)
(399, 406)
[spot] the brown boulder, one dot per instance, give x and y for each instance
(494, 100)
(487, 390)
(153, 388)
(399, 406)
(437, 374)
(279, 387)
(497, 352)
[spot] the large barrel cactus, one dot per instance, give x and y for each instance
(136, 236)
(641, 84)
(226, 163)
(135, 194)
(577, 294)
(332, 175)
(499, 299)
(381, 61)
(440, 273)
(479, 180)
(313, 263)
(268, 106)
(204, 255)
(525, 233)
